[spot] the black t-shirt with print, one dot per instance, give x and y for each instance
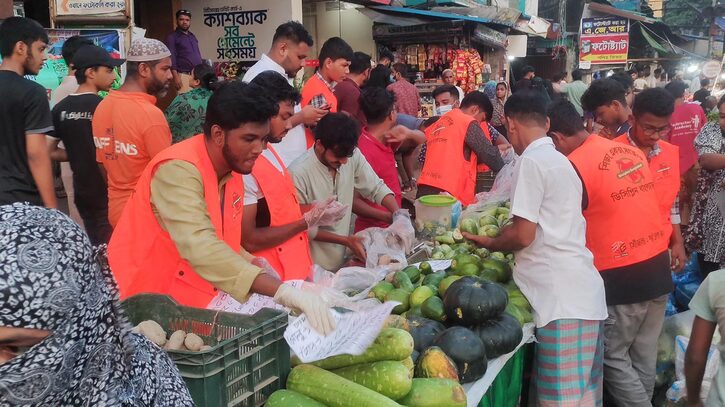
(24, 110)
(72, 118)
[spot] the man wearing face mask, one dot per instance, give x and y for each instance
(181, 231)
(273, 224)
(128, 128)
(456, 144)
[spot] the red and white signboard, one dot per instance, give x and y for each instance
(604, 49)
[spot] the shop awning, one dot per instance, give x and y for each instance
(654, 43)
(435, 14)
(720, 22)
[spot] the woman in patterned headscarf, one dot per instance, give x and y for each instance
(63, 337)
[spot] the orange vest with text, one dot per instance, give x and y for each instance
(144, 258)
(445, 166)
(665, 169)
(622, 214)
(481, 167)
(291, 259)
(313, 87)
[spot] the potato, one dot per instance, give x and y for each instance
(193, 342)
(153, 331)
(205, 348)
(384, 260)
(176, 341)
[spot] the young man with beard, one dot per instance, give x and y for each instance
(72, 120)
(128, 128)
(25, 167)
(273, 225)
(290, 47)
(336, 167)
(180, 233)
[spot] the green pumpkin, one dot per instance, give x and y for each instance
(500, 336)
(471, 301)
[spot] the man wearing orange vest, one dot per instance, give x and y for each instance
(456, 144)
(652, 111)
(624, 233)
(335, 59)
(180, 231)
(273, 225)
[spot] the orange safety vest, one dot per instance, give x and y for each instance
(665, 169)
(141, 253)
(313, 87)
(291, 259)
(623, 222)
(445, 166)
(481, 167)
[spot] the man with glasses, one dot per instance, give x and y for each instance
(334, 166)
(623, 232)
(185, 54)
(652, 111)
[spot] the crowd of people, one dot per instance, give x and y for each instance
(242, 186)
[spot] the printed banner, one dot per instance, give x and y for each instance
(604, 40)
(234, 34)
(86, 7)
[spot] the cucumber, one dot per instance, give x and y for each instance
(390, 378)
(289, 398)
(391, 344)
(333, 390)
(435, 393)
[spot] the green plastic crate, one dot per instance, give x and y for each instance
(249, 358)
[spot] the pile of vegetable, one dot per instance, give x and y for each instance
(177, 341)
(381, 376)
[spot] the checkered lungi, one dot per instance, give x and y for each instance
(569, 363)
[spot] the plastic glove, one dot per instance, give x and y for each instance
(324, 213)
(403, 229)
(267, 268)
(314, 306)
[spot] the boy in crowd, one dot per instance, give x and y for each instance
(335, 58)
(72, 119)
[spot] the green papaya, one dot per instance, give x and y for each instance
(433, 308)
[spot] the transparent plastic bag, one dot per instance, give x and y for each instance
(678, 391)
(383, 248)
(349, 287)
(501, 189)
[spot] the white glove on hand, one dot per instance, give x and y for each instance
(403, 229)
(324, 213)
(267, 268)
(317, 310)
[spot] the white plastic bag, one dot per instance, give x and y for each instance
(383, 247)
(678, 391)
(501, 189)
(349, 287)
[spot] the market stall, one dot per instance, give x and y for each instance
(473, 51)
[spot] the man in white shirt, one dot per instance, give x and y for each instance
(554, 269)
(290, 46)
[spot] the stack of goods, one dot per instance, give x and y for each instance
(381, 376)
(436, 57)
(468, 67)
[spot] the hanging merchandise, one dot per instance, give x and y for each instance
(468, 68)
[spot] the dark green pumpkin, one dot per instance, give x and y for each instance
(471, 301)
(466, 350)
(423, 330)
(500, 336)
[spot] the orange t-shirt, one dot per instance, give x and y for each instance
(128, 131)
(313, 87)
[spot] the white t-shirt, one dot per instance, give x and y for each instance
(252, 191)
(294, 144)
(640, 83)
(556, 272)
(68, 86)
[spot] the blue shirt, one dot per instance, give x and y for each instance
(184, 47)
